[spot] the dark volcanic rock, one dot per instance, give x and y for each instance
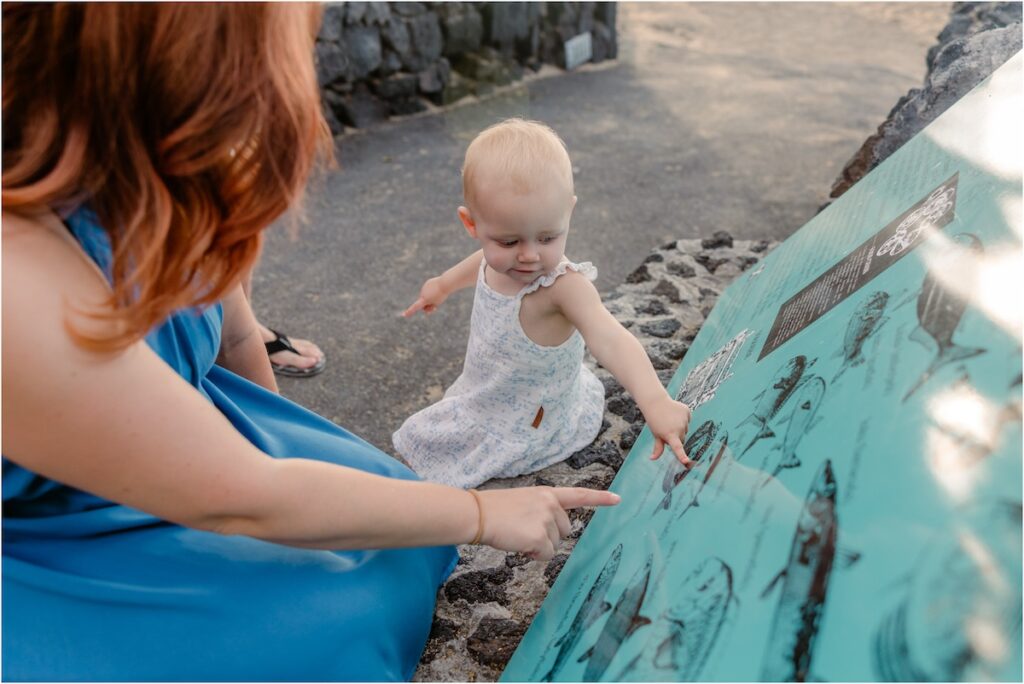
(673, 350)
(580, 517)
(711, 263)
(332, 63)
(495, 640)
(425, 35)
(666, 327)
(718, 239)
(668, 291)
(629, 435)
(640, 275)
(602, 451)
(442, 629)
(361, 109)
(462, 26)
(362, 43)
(332, 121)
(441, 632)
(681, 270)
(434, 78)
(660, 362)
(611, 386)
(595, 482)
(603, 479)
(747, 262)
(480, 586)
(395, 35)
(408, 9)
(554, 567)
(654, 307)
(332, 21)
(625, 407)
(395, 86)
(516, 560)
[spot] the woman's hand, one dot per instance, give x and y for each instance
(531, 520)
(432, 294)
(669, 420)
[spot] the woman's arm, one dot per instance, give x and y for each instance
(125, 427)
(241, 348)
(616, 349)
(437, 289)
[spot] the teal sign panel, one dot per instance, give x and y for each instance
(854, 512)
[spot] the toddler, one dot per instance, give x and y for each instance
(524, 399)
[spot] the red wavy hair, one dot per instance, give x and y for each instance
(188, 128)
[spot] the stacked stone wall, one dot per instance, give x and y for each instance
(381, 59)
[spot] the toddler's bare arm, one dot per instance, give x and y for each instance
(620, 352)
(439, 288)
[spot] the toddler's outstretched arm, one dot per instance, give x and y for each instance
(439, 288)
(617, 350)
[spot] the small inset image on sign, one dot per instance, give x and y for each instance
(578, 50)
(856, 269)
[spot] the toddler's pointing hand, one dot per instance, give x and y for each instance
(432, 294)
(669, 420)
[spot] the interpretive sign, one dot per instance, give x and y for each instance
(854, 511)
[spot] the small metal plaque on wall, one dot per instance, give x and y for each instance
(578, 50)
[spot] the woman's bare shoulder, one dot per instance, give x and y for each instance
(32, 234)
(46, 275)
(35, 238)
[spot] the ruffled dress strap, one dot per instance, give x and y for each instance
(585, 268)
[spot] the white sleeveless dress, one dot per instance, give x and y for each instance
(517, 407)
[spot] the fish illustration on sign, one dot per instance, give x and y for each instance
(960, 619)
(939, 310)
(695, 447)
(624, 620)
(804, 583)
(770, 400)
(683, 636)
(695, 485)
(594, 606)
(865, 321)
(806, 401)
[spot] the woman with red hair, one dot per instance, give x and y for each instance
(166, 514)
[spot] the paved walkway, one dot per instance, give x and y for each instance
(715, 116)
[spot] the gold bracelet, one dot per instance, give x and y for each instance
(480, 517)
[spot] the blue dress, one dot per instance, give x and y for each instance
(93, 590)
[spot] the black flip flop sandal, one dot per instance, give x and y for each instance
(282, 343)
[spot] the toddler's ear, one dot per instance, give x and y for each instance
(467, 221)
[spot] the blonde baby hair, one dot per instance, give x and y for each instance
(515, 149)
